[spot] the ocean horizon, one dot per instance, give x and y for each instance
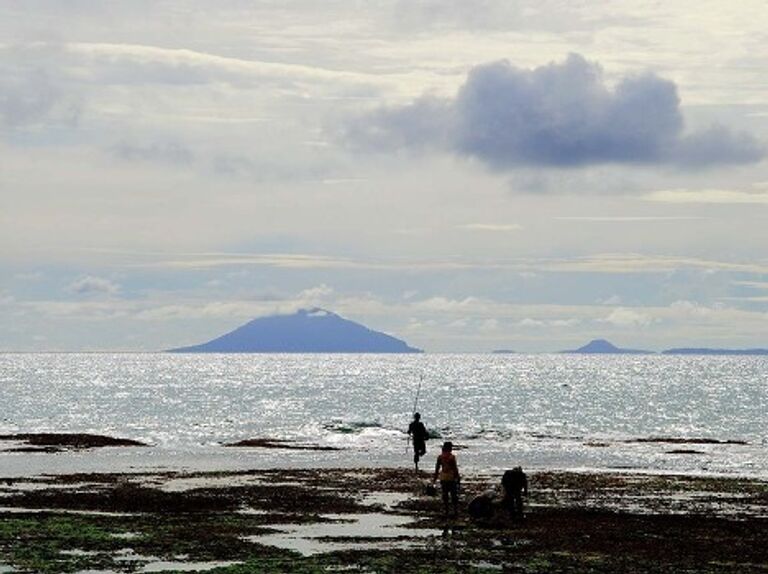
(648, 413)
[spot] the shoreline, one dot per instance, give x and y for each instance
(42, 453)
(377, 520)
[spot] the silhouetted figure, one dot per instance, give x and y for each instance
(447, 470)
(481, 507)
(418, 432)
(515, 484)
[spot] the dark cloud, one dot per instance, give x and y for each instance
(32, 89)
(26, 100)
(561, 114)
(719, 144)
(426, 123)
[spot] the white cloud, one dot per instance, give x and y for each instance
(528, 322)
(528, 268)
(89, 285)
(630, 218)
(638, 263)
(692, 309)
(716, 196)
(624, 317)
(492, 227)
(490, 326)
(761, 285)
(316, 296)
(91, 310)
(444, 304)
(564, 322)
(132, 63)
(612, 300)
(31, 276)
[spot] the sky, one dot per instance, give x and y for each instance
(467, 175)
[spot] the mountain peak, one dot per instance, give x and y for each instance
(313, 330)
(601, 346)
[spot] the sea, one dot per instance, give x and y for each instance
(702, 415)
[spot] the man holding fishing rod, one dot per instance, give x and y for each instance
(417, 430)
(419, 433)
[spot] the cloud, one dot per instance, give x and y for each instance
(33, 89)
(623, 317)
(163, 152)
(692, 309)
(30, 276)
(489, 325)
(144, 64)
(561, 115)
(527, 268)
(718, 196)
(612, 300)
(493, 227)
(630, 218)
(88, 285)
(637, 263)
(718, 145)
(494, 15)
(528, 322)
(762, 285)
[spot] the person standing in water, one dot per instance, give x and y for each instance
(447, 469)
(419, 434)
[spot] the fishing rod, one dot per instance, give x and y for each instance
(418, 392)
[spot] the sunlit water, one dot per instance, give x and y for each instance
(540, 411)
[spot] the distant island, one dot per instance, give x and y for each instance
(603, 347)
(306, 331)
(503, 352)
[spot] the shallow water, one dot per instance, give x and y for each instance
(558, 411)
(177, 566)
(347, 532)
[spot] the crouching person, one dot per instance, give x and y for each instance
(482, 506)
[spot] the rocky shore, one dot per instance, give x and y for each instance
(58, 442)
(377, 520)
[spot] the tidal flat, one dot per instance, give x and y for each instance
(377, 521)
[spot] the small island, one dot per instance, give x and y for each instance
(306, 331)
(603, 347)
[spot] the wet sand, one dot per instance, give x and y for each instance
(377, 520)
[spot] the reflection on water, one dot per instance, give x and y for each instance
(535, 410)
(346, 532)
